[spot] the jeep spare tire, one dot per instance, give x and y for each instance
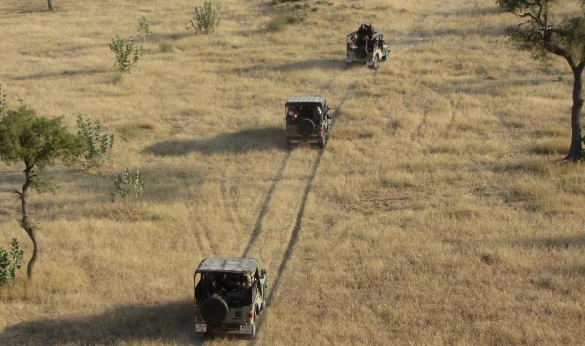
(306, 127)
(360, 53)
(214, 310)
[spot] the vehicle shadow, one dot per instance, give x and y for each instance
(170, 323)
(236, 142)
(320, 64)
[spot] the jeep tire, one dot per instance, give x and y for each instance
(306, 127)
(214, 310)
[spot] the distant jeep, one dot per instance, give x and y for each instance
(307, 120)
(366, 46)
(230, 293)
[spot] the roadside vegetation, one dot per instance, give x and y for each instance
(441, 211)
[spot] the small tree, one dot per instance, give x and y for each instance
(541, 34)
(127, 183)
(37, 142)
(10, 262)
(126, 54)
(205, 19)
(98, 144)
(2, 100)
(144, 29)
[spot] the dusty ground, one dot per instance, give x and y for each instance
(438, 214)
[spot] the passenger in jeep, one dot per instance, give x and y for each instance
(206, 286)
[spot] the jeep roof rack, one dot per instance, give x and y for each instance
(319, 99)
(228, 265)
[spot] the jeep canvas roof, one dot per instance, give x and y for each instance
(307, 99)
(228, 265)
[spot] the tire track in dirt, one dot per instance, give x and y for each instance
(264, 209)
(202, 237)
(298, 221)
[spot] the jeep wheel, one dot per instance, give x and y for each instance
(306, 127)
(360, 53)
(385, 56)
(253, 335)
(214, 310)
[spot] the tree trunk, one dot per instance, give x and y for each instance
(50, 2)
(33, 259)
(576, 136)
(26, 223)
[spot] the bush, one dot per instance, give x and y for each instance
(124, 52)
(205, 19)
(165, 47)
(144, 29)
(280, 22)
(10, 262)
(128, 182)
(99, 145)
(2, 100)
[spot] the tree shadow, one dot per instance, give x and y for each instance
(170, 323)
(171, 36)
(237, 142)
(489, 86)
(576, 241)
(60, 74)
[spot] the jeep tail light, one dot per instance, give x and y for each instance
(286, 129)
(197, 313)
(320, 130)
(250, 314)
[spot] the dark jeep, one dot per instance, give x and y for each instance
(230, 293)
(366, 46)
(307, 120)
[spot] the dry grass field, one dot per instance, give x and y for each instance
(439, 213)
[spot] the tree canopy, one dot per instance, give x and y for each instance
(36, 141)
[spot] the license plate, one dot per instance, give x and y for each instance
(200, 328)
(246, 329)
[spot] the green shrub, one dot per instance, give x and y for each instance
(2, 100)
(144, 29)
(165, 47)
(98, 144)
(280, 22)
(126, 54)
(205, 19)
(127, 183)
(10, 262)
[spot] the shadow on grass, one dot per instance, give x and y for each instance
(171, 36)
(169, 323)
(237, 142)
(320, 64)
(489, 86)
(576, 241)
(60, 74)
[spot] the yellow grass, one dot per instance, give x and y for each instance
(431, 218)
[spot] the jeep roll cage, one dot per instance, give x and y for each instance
(228, 265)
